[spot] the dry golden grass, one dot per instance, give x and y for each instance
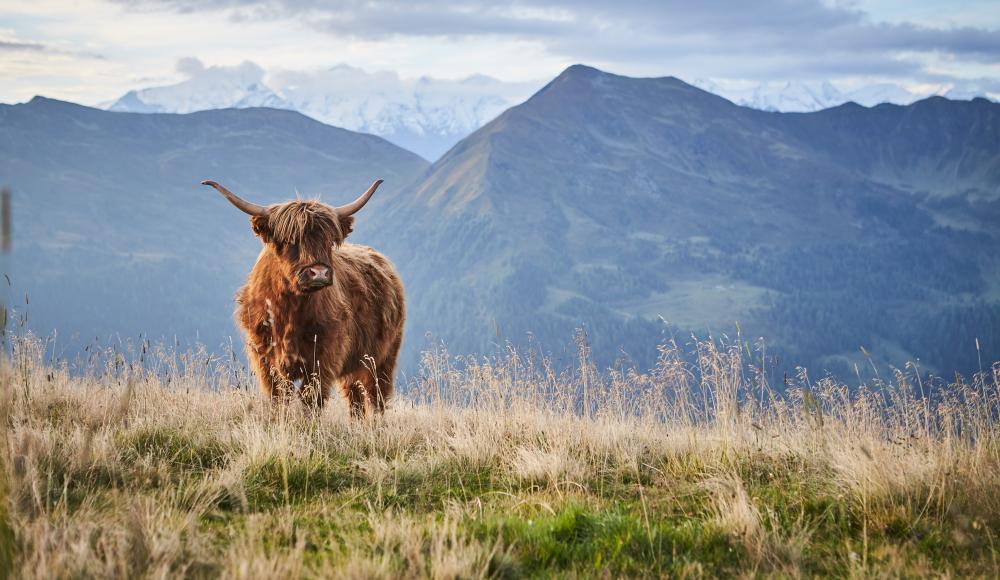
(149, 463)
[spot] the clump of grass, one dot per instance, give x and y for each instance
(181, 450)
(497, 467)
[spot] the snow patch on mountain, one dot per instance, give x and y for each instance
(808, 96)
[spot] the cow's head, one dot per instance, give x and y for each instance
(299, 236)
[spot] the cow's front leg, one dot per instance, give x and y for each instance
(314, 392)
(266, 376)
(274, 384)
(282, 389)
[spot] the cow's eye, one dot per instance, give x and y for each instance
(292, 251)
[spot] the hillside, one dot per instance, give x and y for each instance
(610, 202)
(133, 470)
(114, 236)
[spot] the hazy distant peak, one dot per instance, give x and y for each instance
(808, 96)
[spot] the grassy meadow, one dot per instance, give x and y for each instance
(145, 462)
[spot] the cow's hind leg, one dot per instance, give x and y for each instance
(353, 387)
(384, 373)
(380, 392)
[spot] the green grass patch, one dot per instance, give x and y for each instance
(583, 541)
(293, 480)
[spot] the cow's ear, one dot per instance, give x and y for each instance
(261, 227)
(346, 225)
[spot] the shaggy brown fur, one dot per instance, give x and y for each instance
(348, 333)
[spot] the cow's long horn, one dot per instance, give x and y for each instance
(354, 206)
(242, 204)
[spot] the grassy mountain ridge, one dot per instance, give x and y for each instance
(934, 145)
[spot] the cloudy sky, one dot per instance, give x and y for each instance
(90, 51)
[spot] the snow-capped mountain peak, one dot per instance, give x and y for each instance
(426, 115)
(210, 88)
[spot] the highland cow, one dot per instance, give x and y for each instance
(316, 310)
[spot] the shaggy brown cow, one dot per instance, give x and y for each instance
(316, 310)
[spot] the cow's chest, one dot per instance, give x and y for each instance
(289, 337)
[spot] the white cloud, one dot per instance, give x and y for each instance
(767, 40)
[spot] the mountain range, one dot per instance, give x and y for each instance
(641, 210)
(425, 115)
(428, 116)
(805, 97)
